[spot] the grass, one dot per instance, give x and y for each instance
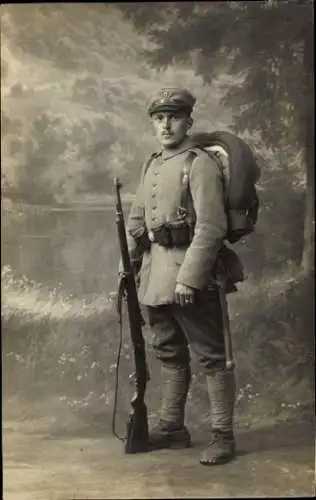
(63, 347)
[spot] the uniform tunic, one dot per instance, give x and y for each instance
(157, 200)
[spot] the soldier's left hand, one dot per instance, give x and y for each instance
(184, 295)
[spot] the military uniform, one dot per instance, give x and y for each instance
(199, 325)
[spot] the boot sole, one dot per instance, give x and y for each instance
(172, 445)
(217, 461)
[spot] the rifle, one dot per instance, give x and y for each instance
(137, 425)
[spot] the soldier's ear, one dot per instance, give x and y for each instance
(189, 122)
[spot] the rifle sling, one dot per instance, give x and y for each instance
(119, 302)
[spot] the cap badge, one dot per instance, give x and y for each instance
(166, 94)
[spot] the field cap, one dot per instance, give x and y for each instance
(172, 99)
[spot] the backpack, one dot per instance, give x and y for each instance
(240, 172)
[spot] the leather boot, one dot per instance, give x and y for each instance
(222, 390)
(170, 431)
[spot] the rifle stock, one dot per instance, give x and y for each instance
(137, 425)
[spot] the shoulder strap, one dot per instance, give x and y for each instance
(148, 163)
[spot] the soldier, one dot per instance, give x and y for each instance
(176, 285)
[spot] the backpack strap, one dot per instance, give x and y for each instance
(185, 189)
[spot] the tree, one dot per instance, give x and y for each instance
(267, 46)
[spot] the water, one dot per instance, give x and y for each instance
(77, 248)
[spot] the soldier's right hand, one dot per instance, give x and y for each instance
(184, 295)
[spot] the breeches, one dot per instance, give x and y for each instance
(197, 325)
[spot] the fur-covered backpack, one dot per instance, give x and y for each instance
(240, 174)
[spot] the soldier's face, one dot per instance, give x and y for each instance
(171, 127)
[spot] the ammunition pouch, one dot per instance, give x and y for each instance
(141, 238)
(177, 233)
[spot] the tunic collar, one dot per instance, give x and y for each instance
(186, 144)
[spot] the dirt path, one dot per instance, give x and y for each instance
(42, 465)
